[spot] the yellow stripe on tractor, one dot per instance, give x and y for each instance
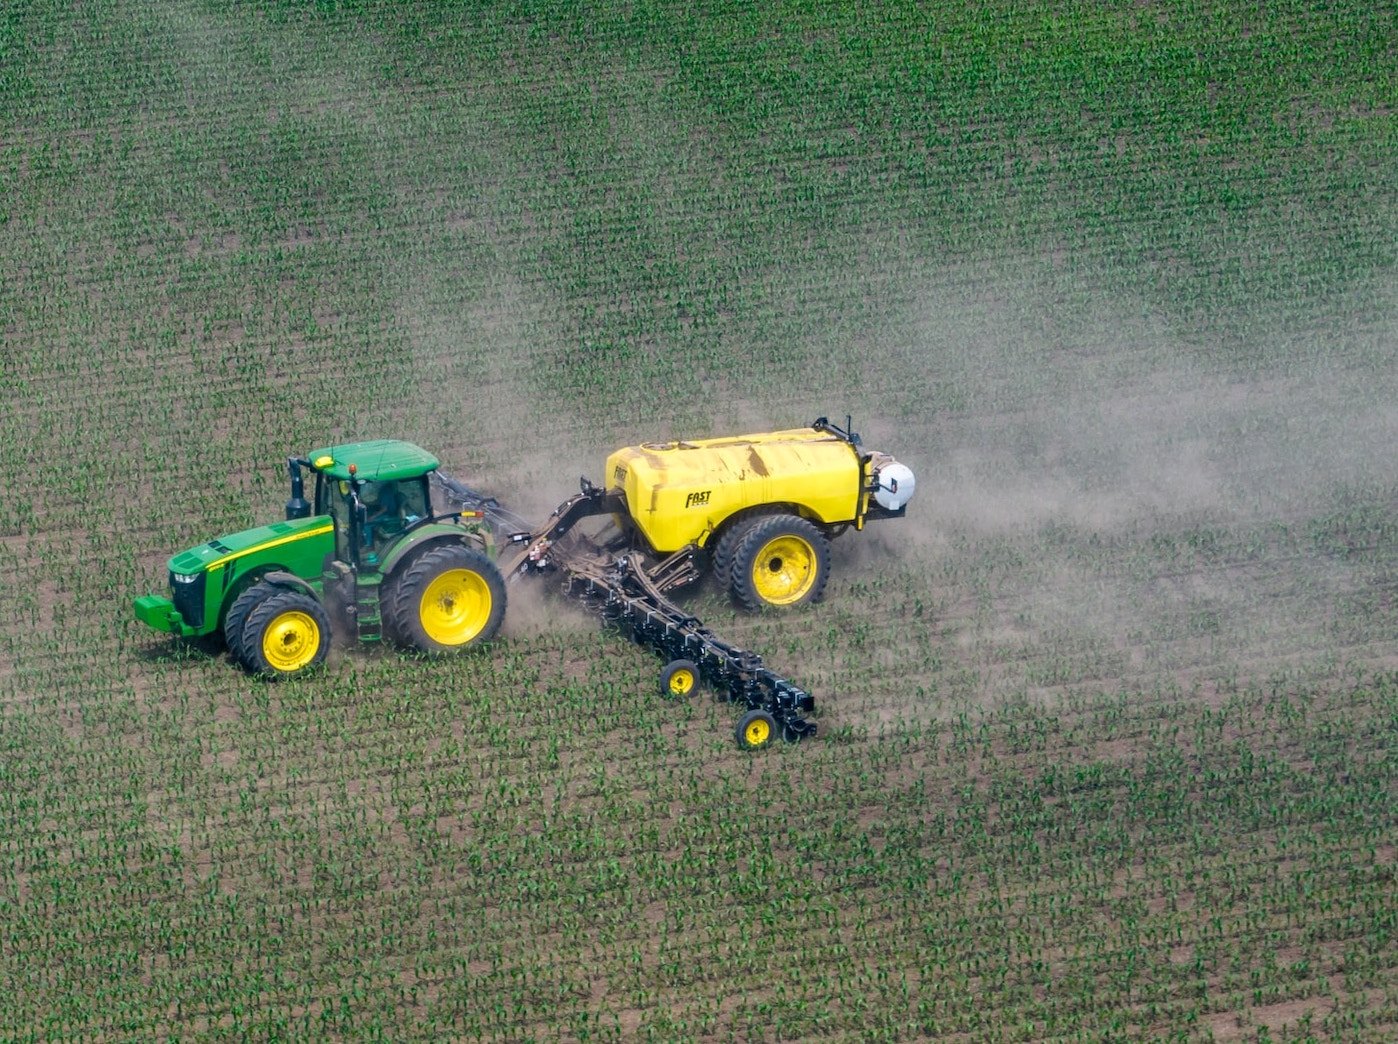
(221, 562)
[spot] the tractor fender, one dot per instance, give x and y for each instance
(236, 584)
(281, 578)
(423, 537)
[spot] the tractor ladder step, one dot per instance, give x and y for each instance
(368, 616)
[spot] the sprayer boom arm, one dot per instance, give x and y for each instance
(626, 594)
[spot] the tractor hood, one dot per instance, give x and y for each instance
(225, 549)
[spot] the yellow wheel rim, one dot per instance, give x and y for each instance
(758, 732)
(682, 682)
(455, 607)
(290, 641)
(784, 570)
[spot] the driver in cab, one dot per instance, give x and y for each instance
(383, 514)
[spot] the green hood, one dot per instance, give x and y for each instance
(225, 549)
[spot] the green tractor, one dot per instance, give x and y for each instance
(369, 558)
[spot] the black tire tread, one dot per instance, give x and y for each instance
(281, 601)
(402, 595)
(237, 615)
(726, 545)
(766, 529)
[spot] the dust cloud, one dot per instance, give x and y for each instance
(1100, 497)
(1114, 496)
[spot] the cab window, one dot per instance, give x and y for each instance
(391, 507)
(332, 498)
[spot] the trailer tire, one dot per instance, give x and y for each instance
(447, 599)
(237, 616)
(755, 730)
(726, 546)
(679, 678)
(285, 634)
(782, 561)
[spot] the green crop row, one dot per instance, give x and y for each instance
(1106, 724)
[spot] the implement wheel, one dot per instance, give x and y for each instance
(447, 599)
(783, 561)
(755, 730)
(237, 616)
(679, 678)
(285, 634)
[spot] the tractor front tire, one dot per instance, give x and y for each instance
(447, 599)
(285, 634)
(783, 561)
(237, 616)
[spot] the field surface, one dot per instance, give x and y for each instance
(1108, 725)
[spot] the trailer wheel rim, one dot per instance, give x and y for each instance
(784, 571)
(681, 682)
(455, 606)
(758, 732)
(290, 641)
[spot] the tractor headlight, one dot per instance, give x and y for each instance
(181, 578)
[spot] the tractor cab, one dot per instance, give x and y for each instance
(373, 491)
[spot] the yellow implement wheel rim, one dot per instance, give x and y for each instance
(758, 732)
(455, 606)
(682, 682)
(784, 570)
(290, 641)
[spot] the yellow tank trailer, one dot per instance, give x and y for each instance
(762, 507)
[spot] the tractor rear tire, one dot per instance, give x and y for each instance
(755, 730)
(285, 634)
(237, 616)
(783, 561)
(447, 599)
